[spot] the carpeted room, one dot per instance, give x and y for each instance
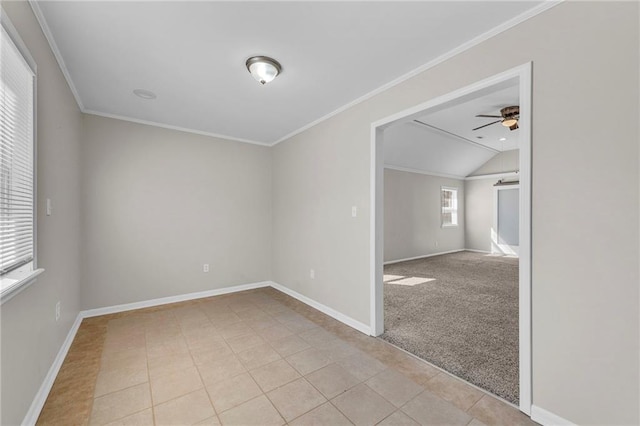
(464, 319)
(451, 239)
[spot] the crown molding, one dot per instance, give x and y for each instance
(171, 127)
(542, 7)
(35, 6)
(422, 172)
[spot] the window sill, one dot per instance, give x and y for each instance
(16, 281)
(449, 226)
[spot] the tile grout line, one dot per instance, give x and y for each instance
(246, 372)
(146, 353)
(215, 411)
(387, 367)
(125, 388)
(184, 323)
(204, 386)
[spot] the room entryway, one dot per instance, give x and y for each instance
(451, 224)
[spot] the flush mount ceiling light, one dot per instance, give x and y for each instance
(144, 94)
(263, 68)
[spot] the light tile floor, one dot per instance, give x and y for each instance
(253, 358)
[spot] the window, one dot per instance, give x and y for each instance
(17, 143)
(449, 207)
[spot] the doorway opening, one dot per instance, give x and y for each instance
(506, 242)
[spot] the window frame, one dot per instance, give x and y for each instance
(16, 280)
(455, 210)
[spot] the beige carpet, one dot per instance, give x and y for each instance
(460, 312)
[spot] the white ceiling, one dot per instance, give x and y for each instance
(192, 55)
(414, 147)
(461, 119)
(446, 144)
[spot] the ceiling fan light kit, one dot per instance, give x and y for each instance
(509, 117)
(263, 68)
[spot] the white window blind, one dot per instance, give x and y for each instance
(16, 158)
(449, 207)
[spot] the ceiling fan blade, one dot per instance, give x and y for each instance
(514, 127)
(498, 121)
(489, 116)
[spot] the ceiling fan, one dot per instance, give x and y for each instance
(509, 117)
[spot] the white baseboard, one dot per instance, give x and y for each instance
(478, 251)
(324, 309)
(171, 299)
(389, 262)
(547, 418)
(41, 397)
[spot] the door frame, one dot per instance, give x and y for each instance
(496, 247)
(524, 75)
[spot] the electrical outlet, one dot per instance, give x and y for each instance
(354, 211)
(49, 207)
(205, 267)
(436, 244)
(57, 311)
(312, 274)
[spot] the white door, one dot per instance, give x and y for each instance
(505, 235)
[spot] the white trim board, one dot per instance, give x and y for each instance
(391, 262)
(172, 127)
(55, 50)
(446, 134)
(493, 176)
(542, 7)
(37, 11)
(538, 9)
(422, 172)
(547, 418)
(172, 299)
(324, 309)
(523, 74)
(41, 396)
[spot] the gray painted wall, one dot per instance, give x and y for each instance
(506, 161)
(31, 337)
(479, 199)
(158, 204)
(585, 295)
(412, 219)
